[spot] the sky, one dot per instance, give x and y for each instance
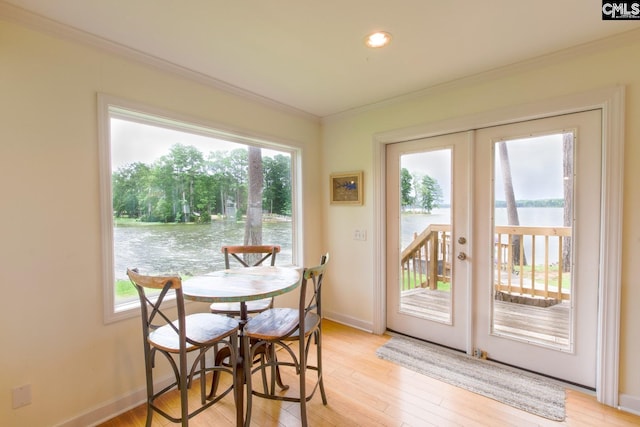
(536, 168)
(436, 164)
(134, 142)
(536, 163)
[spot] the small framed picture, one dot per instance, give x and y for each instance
(346, 188)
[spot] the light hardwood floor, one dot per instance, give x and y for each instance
(363, 390)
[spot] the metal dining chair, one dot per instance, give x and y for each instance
(173, 339)
(292, 331)
(246, 256)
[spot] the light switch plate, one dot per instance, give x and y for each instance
(359, 234)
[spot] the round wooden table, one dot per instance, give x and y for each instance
(241, 285)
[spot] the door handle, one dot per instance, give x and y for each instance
(462, 256)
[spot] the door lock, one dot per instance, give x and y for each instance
(462, 256)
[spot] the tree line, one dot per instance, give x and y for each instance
(424, 193)
(421, 192)
(538, 203)
(184, 186)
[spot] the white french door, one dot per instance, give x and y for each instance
(566, 348)
(507, 262)
(420, 301)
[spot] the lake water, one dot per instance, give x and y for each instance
(189, 249)
(416, 223)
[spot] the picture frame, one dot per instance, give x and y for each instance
(346, 188)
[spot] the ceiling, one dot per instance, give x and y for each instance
(310, 55)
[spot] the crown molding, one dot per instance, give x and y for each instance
(40, 23)
(496, 73)
(37, 22)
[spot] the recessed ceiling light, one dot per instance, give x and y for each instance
(378, 39)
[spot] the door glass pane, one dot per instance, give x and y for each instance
(533, 218)
(425, 231)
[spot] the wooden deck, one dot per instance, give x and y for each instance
(434, 305)
(549, 326)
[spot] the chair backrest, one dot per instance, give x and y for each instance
(250, 255)
(311, 296)
(152, 308)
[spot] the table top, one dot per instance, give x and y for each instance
(241, 284)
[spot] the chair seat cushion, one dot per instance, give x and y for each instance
(203, 328)
(233, 308)
(278, 323)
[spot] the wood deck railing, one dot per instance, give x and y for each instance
(427, 260)
(538, 278)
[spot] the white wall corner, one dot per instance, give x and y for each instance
(629, 403)
(348, 320)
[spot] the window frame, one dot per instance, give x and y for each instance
(114, 107)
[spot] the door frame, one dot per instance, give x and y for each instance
(611, 102)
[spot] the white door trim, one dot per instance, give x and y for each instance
(611, 101)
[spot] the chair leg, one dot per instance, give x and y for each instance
(270, 351)
(220, 356)
(302, 376)
(203, 376)
(149, 373)
(248, 365)
(149, 415)
(184, 405)
(265, 353)
(263, 359)
(319, 363)
(278, 377)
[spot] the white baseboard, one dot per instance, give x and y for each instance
(107, 411)
(111, 409)
(347, 320)
(629, 403)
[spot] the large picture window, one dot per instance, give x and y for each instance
(174, 192)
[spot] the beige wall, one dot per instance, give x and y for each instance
(347, 145)
(52, 334)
